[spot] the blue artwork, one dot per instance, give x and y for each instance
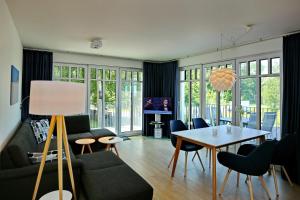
(14, 85)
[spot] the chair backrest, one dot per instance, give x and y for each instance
(199, 123)
(176, 125)
(285, 150)
(261, 158)
(268, 121)
(252, 121)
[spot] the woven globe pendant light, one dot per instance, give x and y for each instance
(222, 79)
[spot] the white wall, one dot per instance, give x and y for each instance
(267, 46)
(76, 58)
(11, 52)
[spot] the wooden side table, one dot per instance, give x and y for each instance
(111, 142)
(85, 142)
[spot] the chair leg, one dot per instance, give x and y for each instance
(200, 160)
(287, 176)
(206, 152)
(194, 156)
(224, 182)
(249, 182)
(209, 158)
(263, 183)
(171, 160)
(275, 180)
(238, 179)
(185, 163)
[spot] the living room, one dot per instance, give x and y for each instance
(149, 99)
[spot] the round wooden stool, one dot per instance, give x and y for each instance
(85, 142)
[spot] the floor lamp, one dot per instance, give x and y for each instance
(57, 99)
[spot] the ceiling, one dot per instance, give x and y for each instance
(150, 29)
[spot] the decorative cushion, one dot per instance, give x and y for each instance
(40, 129)
(36, 157)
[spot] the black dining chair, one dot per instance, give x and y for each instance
(256, 163)
(200, 123)
(178, 125)
(285, 150)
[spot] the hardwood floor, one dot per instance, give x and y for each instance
(150, 157)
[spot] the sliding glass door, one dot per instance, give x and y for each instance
(260, 93)
(131, 100)
(103, 97)
(190, 91)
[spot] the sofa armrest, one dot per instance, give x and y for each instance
(24, 179)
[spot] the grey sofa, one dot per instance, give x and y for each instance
(98, 176)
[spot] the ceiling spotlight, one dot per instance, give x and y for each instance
(96, 43)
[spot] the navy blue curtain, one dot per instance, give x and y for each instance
(160, 80)
(37, 65)
(291, 98)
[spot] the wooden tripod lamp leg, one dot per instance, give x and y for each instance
(68, 157)
(59, 159)
(46, 148)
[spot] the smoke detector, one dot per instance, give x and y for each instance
(248, 27)
(96, 43)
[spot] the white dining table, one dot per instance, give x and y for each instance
(214, 138)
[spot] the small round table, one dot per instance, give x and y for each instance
(67, 195)
(111, 142)
(85, 142)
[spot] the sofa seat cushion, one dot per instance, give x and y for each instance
(99, 160)
(98, 133)
(116, 183)
(73, 137)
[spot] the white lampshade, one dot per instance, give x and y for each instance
(57, 98)
(222, 79)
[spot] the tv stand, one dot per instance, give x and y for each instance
(157, 126)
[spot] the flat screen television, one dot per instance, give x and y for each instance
(158, 105)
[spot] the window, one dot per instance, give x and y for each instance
(259, 95)
(275, 64)
(68, 72)
(131, 100)
(218, 106)
(243, 69)
(104, 84)
(264, 67)
(190, 94)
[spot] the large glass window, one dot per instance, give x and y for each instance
(260, 94)
(190, 94)
(131, 100)
(104, 84)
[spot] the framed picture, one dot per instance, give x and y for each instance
(14, 85)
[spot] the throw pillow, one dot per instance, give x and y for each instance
(36, 157)
(40, 129)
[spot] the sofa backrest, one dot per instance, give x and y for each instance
(77, 124)
(15, 153)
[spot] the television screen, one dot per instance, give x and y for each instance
(158, 105)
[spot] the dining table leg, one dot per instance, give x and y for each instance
(176, 154)
(214, 173)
